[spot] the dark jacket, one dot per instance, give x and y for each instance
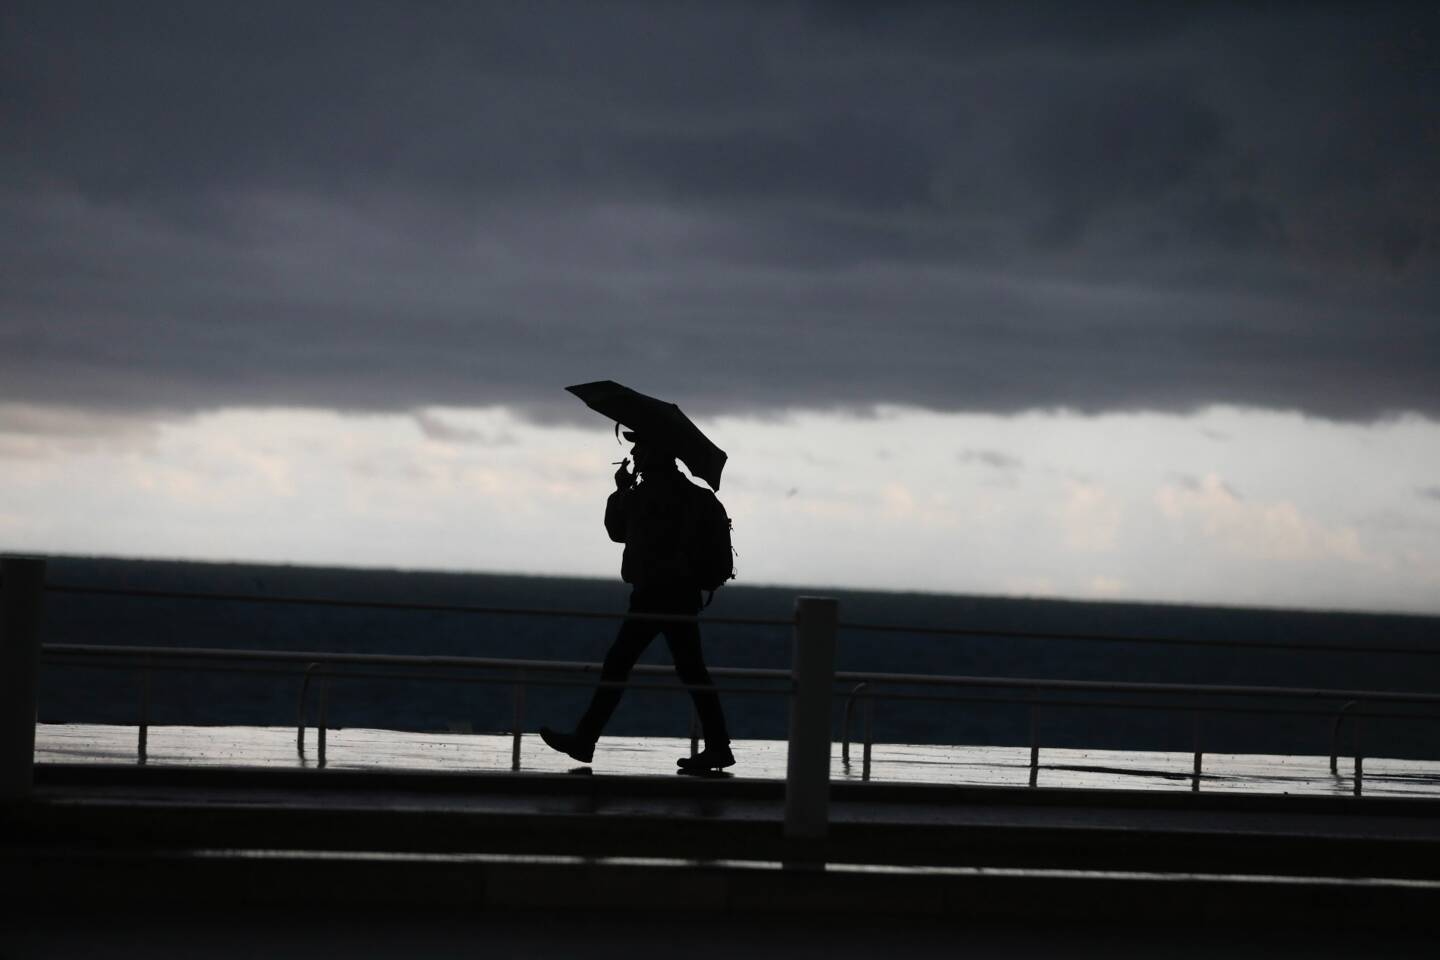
(655, 521)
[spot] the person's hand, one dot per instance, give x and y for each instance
(624, 479)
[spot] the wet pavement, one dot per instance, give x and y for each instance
(359, 749)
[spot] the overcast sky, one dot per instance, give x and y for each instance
(1112, 223)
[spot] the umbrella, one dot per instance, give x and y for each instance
(658, 421)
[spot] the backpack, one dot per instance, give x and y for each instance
(714, 556)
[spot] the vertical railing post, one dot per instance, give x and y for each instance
(1034, 737)
(807, 776)
(142, 742)
(323, 724)
(1335, 738)
(1359, 760)
(517, 725)
(300, 712)
(1034, 742)
(869, 737)
(20, 603)
(1199, 756)
(845, 723)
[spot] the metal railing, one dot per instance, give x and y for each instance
(22, 587)
(519, 674)
(1353, 701)
(809, 683)
(326, 667)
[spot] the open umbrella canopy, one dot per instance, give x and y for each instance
(657, 421)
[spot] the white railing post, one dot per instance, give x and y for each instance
(20, 603)
(807, 777)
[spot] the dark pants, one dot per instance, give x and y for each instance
(683, 639)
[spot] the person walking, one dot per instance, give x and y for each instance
(658, 517)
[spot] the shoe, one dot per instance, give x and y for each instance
(711, 758)
(569, 744)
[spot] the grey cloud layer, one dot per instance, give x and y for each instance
(995, 459)
(379, 207)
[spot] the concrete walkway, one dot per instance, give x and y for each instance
(229, 821)
(421, 850)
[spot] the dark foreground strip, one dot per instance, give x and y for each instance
(309, 882)
(160, 826)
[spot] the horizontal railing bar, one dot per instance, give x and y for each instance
(1112, 686)
(1132, 705)
(786, 690)
(650, 668)
(901, 679)
(674, 687)
(422, 607)
(292, 656)
(1122, 638)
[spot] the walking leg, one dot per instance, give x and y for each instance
(634, 636)
(684, 642)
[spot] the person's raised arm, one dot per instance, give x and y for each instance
(617, 507)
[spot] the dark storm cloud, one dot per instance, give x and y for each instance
(388, 206)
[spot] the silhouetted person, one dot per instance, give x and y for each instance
(654, 518)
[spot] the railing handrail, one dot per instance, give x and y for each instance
(420, 607)
(377, 659)
(1127, 638)
(1127, 686)
(899, 679)
(740, 621)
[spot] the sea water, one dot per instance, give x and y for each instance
(87, 694)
